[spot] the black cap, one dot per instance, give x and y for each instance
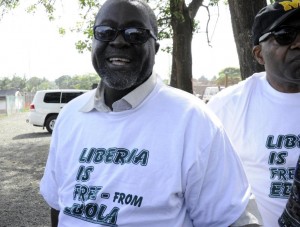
(272, 16)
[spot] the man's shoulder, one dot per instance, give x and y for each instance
(185, 105)
(179, 98)
(247, 84)
(238, 91)
(80, 101)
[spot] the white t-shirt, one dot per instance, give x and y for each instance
(263, 125)
(166, 162)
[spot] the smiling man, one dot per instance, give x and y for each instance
(124, 53)
(135, 152)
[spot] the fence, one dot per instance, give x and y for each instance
(11, 104)
(28, 97)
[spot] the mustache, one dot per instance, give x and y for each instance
(124, 53)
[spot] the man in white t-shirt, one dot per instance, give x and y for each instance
(261, 114)
(135, 152)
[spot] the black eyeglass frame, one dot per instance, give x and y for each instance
(122, 32)
(293, 29)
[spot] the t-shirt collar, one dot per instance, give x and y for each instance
(130, 101)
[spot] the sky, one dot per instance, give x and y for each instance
(30, 45)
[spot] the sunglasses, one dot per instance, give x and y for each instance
(130, 35)
(283, 35)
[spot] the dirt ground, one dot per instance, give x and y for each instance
(23, 154)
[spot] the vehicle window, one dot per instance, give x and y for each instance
(67, 97)
(52, 97)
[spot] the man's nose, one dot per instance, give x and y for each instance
(119, 41)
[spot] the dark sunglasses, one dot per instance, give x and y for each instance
(131, 35)
(283, 35)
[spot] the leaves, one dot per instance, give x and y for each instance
(229, 76)
(7, 5)
(77, 82)
(48, 5)
(62, 31)
(35, 83)
(82, 45)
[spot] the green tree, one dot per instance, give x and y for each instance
(24, 85)
(46, 85)
(15, 82)
(5, 83)
(18, 82)
(33, 84)
(85, 81)
(64, 82)
(228, 76)
(77, 82)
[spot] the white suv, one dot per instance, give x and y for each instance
(46, 105)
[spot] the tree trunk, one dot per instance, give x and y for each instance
(242, 17)
(182, 25)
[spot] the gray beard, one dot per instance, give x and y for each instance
(119, 80)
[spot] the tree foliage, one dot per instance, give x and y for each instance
(7, 5)
(35, 83)
(229, 76)
(15, 82)
(77, 82)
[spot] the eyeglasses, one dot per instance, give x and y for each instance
(131, 35)
(283, 35)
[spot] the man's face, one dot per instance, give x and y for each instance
(282, 62)
(120, 64)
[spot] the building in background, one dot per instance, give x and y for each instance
(11, 101)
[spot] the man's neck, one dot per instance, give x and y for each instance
(284, 87)
(112, 95)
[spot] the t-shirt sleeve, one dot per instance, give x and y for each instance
(48, 184)
(219, 195)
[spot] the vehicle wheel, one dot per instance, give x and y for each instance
(50, 123)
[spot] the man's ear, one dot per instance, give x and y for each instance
(256, 51)
(156, 47)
